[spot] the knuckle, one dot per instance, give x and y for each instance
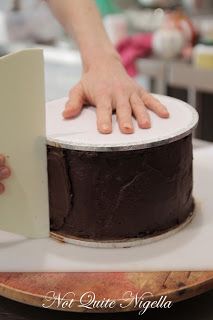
(104, 104)
(76, 90)
(146, 97)
(124, 110)
(103, 89)
(135, 100)
(107, 108)
(121, 90)
(118, 87)
(73, 90)
(101, 96)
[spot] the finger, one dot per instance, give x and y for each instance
(104, 117)
(4, 173)
(2, 160)
(154, 104)
(124, 115)
(75, 103)
(140, 111)
(1, 188)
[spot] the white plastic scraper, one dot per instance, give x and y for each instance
(24, 205)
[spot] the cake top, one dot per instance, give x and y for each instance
(81, 132)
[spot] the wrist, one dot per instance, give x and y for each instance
(100, 57)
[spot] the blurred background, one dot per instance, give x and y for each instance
(166, 45)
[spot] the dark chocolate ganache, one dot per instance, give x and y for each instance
(120, 194)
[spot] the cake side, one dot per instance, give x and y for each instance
(122, 194)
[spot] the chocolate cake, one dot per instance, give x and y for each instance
(106, 188)
(120, 195)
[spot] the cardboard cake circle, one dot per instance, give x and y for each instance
(81, 132)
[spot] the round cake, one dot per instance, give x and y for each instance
(117, 188)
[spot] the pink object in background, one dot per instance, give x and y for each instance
(134, 47)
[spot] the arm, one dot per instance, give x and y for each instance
(4, 172)
(80, 18)
(105, 83)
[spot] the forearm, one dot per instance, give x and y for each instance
(81, 19)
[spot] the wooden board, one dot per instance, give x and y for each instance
(32, 288)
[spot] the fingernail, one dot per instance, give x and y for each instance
(106, 128)
(65, 114)
(127, 126)
(146, 124)
(4, 173)
(166, 113)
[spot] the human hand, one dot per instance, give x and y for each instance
(107, 86)
(4, 172)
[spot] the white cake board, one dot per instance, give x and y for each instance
(189, 249)
(81, 132)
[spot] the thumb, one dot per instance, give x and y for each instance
(75, 103)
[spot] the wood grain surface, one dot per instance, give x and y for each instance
(32, 288)
(197, 308)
